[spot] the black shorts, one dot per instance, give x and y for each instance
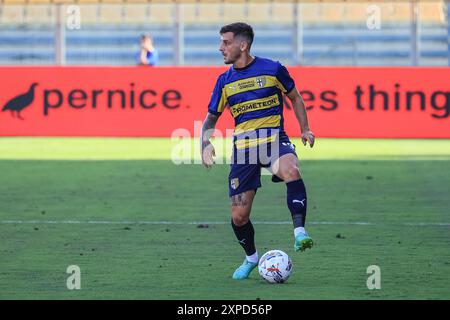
(245, 170)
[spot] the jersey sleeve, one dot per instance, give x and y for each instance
(285, 82)
(218, 99)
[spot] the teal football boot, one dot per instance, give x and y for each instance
(303, 242)
(244, 270)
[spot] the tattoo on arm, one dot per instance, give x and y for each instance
(207, 128)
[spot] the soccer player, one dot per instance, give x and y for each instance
(253, 89)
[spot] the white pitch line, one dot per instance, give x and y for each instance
(358, 223)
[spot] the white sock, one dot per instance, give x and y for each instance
(253, 258)
(299, 230)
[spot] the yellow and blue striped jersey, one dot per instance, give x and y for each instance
(254, 95)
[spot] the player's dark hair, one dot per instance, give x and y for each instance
(146, 35)
(240, 29)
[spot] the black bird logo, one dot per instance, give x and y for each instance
(20, 102)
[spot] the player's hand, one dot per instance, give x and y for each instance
(309, 137)
(145, 47)
(208, 153)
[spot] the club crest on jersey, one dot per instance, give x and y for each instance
(261, 81)
(234, 183)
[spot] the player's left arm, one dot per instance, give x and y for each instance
(300, 112)
(207, 149)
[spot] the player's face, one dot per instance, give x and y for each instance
(230, 47)
(146, 41)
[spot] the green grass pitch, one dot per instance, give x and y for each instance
(101, 204)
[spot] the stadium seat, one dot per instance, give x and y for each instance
(200, 11)
(39, 14)
(139, 1)
(32, 2)
(137, 13)
(111, 14)
(82, 2)
(90, 13)
(162, 13)
(13, 2)
(396, 12)
(189, 13)
(199, 2)
(334, 13)
(260, 12)
(12, 14)
(283, 13)
(309, 13)
(353, 13)
(432, 12)
(233, 12)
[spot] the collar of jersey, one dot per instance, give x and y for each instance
(247, 66)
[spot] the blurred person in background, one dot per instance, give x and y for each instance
(148, 56)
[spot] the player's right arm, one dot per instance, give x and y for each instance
(287, 86)
(216, 106)
(207, 148)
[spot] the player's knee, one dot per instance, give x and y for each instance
(292, 173)
(239, 218)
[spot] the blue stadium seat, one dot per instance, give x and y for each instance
(322, 44)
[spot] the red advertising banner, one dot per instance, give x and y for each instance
(361, 102)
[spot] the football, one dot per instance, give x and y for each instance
(275, 266)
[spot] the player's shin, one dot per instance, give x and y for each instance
(245, 235)
(297, 204)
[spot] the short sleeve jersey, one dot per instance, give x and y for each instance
(254, 95)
